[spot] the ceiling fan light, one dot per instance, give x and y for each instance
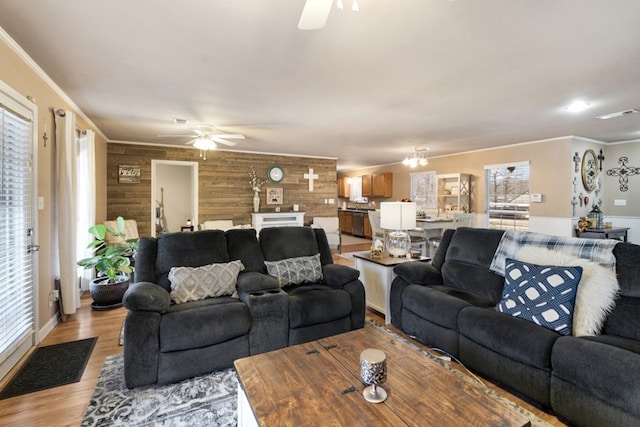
(355, 7)
(204, 144)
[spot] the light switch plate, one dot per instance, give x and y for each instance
(620, 202)
(536, 198)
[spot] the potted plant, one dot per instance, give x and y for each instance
(112, 263)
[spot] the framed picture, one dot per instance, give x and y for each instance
(454, 190)
(274, 196)
(128, 174)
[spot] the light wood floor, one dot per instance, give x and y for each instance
(65, 406)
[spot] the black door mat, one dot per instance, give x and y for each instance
(51, 366)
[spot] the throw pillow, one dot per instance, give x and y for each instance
(597, 291)
(541, 294)
(197, 283)
(296, 271)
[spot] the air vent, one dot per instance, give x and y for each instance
(178, 121)
(618, 114)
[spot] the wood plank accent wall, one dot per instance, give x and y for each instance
(224, 191)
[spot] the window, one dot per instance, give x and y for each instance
(423, 190)
(16, 227)
(507, 196)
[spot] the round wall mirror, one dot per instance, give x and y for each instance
(589, 170)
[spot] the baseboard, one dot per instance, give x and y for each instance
(48, 327)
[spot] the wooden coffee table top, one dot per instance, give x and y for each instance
(308, 384)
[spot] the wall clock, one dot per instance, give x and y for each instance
(589, 170)
(275, 173)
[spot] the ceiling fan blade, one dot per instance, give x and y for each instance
(222, 141)
(228, 135)
(315, 14)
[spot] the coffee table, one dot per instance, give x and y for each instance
(318, 383)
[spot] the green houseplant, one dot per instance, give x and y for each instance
(112, 264)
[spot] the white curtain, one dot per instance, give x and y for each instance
(65, 209)
(86, 200)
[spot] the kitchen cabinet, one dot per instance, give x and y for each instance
(345, 219)
(367, 227)
(343, 187)
(383, 184)
(454, 192)
(367, 185)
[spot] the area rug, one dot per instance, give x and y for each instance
(208, 400)
(51, 366)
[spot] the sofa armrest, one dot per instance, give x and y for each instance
(146, 296)
(418, 273)
(337, 276)
(254, 282)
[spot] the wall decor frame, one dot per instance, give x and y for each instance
(275, 196)
(589, 170)
(128, 174)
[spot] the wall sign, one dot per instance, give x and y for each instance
(128, 174)
(274, 196)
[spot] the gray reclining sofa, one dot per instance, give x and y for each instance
(165, 341)
(585, 380)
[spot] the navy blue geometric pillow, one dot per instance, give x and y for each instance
(541, 294)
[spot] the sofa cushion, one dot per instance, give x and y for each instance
(288, 242)
(243, 245)
(515, 338)
(196, 283)
(315, 303)
(467, 261)
(185, 250)
(296, 271)
(439, 304)
(541, 294)
(597, 290)
(202, 323)
(607, 372)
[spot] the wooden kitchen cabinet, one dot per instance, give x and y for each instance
(343, 187)
(345, 220)
(383, 184)
(367, 185)
(367, 227)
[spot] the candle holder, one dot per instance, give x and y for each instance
(373, 371)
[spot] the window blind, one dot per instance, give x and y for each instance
(16, 263)
(507, 195)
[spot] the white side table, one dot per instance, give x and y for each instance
(377, 274)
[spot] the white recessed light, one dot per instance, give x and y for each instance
(577, 106)
(618, 114)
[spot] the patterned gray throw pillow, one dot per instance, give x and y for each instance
(197, 283)
(296, 271)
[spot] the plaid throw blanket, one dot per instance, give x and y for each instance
(597, 250)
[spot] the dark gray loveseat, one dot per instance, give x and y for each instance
(167, 342)
(588, 381)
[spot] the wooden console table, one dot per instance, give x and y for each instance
(604, 233)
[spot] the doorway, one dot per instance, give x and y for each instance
(174, 195)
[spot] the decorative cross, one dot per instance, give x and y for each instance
(600, 159)
(575, 184)
(311, 176)
(574, 202)
(576, 160)
(623, 172)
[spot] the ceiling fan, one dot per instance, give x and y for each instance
(315, 13)
(204, 137)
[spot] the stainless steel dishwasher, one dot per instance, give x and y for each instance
(357, 225)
